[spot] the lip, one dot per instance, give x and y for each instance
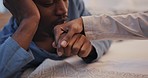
(60, 21)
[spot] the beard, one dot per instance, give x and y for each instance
(46, 29)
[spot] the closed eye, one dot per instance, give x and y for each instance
(46, 3)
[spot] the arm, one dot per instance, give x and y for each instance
(12, 56)
(130, 26)
(99, 47)
(14, 44)
(27, 19)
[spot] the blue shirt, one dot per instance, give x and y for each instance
(14, 59)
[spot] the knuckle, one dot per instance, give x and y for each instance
(82, 36)
(75, 47)
(75, 50)
(87, 42)
(68, 48)
(83, 51)
(67, 52)
(56, 27)
(66, 38)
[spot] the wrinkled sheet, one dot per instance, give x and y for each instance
(127, 59)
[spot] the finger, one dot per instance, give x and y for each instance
(68, 49)
(60, 51)
(85, 50)
(66, 39)
(78, 44)
(57, 33)
(54, 45)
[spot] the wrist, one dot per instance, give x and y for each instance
(92, 56)
(82, 26)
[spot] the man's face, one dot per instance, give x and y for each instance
(53, 12)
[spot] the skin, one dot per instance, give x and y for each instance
(72, 28)
(82, 47)
(36, 23)
(78, 45)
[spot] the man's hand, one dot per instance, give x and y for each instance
(78, 45)
(70, 28)
(27, 16)
(22, 9)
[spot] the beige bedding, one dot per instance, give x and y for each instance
(128, 59)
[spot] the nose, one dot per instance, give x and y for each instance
(61, 8)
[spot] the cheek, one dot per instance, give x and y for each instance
(47, 14)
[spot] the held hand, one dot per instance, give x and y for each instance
(70, 28)
(78, 45)
(22, 9)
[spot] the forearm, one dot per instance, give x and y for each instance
(27, 18)
(132, 26)
(25, 32)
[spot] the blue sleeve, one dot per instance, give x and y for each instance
(82, 9)
(12, 57)
(77, 9)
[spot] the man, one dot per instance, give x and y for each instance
(26, 41)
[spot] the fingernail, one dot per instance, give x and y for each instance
(53, 44)
(64, 43)
(60, 53)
